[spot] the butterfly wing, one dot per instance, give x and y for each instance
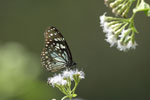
(56, 53)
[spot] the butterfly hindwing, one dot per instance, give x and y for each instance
(56, 53)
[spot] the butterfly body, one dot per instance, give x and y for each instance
(56, 53)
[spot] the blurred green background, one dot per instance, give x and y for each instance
(110, 74)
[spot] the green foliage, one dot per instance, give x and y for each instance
(19, 71)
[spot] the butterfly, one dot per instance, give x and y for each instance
(56, 53)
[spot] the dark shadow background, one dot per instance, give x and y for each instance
(110, 74)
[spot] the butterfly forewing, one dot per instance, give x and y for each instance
(56, 53)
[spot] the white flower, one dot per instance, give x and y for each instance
(107, 29)
(115, 25)
(121, 46)
(80, 73)
(125, 33)
(131, 45)
(111, 39)
(68, 74)
(57, 80)
(60, 78)
(125, 36)
(102, 19)
(125, 47)
(110, 29)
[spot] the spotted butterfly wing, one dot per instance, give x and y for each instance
(56, 53)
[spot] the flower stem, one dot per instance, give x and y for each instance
(131, 21)
(64, 97)
(138, 2)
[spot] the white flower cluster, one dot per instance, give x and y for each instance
(119, 7)
(61, 79)
(116, 34)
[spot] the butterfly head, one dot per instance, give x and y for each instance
(71, 63)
